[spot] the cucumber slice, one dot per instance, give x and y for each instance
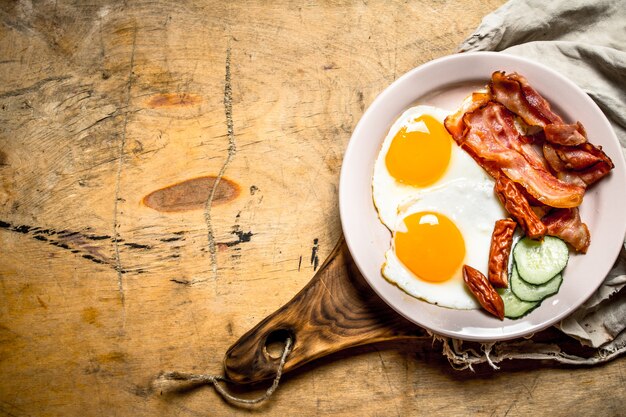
(528, 292)
(515, 308)
(538, 261)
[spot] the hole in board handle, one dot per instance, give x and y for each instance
(275, 343)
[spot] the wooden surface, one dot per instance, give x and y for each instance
(119, 257)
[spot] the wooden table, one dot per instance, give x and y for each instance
(118, 260)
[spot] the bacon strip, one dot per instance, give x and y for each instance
(566, 224)
(491, 138)
(594, 173)
(514, 92)
(558, 167)
(517, 206)
(579, 157)
(501, 242)
(574, 160)
(568, 135)
(454, 123)
(583, 163)
(549, 152)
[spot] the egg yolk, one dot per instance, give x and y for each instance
(420, 158)
(431, 247)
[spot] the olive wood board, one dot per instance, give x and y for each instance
(336, 310)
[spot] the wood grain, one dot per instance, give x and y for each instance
(104, 102)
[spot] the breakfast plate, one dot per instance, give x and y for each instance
(444, 83)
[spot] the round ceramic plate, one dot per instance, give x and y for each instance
(444, 83)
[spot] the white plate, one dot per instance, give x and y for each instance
(444, 83)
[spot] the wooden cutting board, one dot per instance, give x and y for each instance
(113, 267)
(336, 310)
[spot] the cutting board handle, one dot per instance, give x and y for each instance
(336, 310)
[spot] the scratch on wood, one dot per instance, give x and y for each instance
(93, 259)
(102, 119)
(101, 237)
(382, 362)
(173, 100)
(4, 409)
(171, 239)
(42, 303)
(34, 87)
(118, 262)
(315, 260)
(299, 263)
(242, 237)
(141, 391)
(137, 245)
(232, 150)
(181, 281)
(360, 100)
(74, 241)
(508, 410)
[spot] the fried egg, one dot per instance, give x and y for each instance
(418, 154)
(436, 234)
(439, 205)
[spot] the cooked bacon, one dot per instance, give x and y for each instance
(492, 140)
(566, 224)
(531, 200)
(514, 92)
(574, 161)
(568, 135)
(595, 172)
(504, 126)
(573, 164)
(454, 123)
(558, 167)
(571, 177)
(579, 157)
(490, 166)
(549, 152)
(517, 206)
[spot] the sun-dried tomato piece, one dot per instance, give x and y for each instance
(501, 242)
(518, 207)
(484, 292)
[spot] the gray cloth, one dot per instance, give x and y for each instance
(586, 42)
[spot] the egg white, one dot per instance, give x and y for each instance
(474, 208)
(388, 194)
